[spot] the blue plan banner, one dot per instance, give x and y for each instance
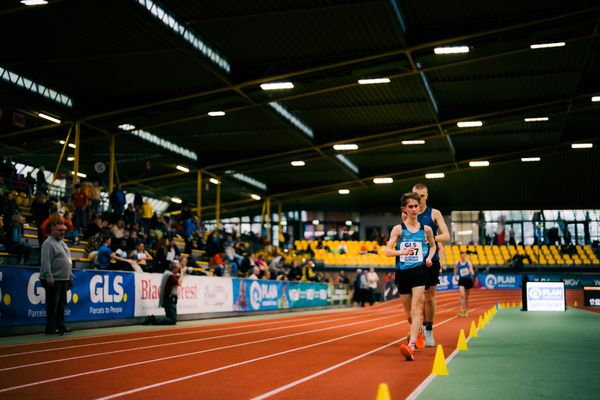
(255, 295)
(95, 295)
(300, 294)
(500, 281)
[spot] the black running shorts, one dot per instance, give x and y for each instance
(406, 279)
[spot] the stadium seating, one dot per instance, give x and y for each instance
(480, 256)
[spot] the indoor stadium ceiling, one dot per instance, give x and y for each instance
(163, 66)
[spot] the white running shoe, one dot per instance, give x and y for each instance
(429, 340)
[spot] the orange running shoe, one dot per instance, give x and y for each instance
(407, 352)
(420, 343)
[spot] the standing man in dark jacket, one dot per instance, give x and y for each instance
(56, 276)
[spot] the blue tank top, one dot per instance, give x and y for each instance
(463, 270)
(426, 219)
(418, 246)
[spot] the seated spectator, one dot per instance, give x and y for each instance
(105, 255)
(363, 249)
(255, 273)
(234, 259)
(342, 278)
(117, 231)
(142, 257)
(217, 264)
(15, 241)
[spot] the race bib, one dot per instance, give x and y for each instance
(463, 272)
(411, 252)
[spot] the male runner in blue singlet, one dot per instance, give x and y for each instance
(434, 219)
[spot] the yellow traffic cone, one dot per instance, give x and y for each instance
(480, 324)
(439, 364)
(473, 330)
(383, 393)
(462, 342)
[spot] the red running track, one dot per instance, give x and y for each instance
(333, 355)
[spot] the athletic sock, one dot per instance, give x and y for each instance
(412, 344)
(428, 325)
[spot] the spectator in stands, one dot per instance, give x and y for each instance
(295, 271)
(342, 278)
(46, 226)
(234, 259)
(42, 184)
(117, 231)
(171, 280)
(10, 208)
(147, 214)
(15, 240)
(80, 203)
(56, 278)
(357, 295)
(40, 211)
(372, 283)
(129, 216)
(61, 206)
(308, 273)
(217, 264)
(105, 255)
(166, 253)
(142, 257)
(96, 197)
(117, 201)
(255, 273)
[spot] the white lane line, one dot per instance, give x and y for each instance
(129, 349)
(187, 354)
(158, 384)
(333, 367)
(194, 332)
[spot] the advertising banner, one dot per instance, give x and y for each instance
(255, 295)
(304, 294)
(545, 296)
(338, 294)
(95, 295)
(197, 294)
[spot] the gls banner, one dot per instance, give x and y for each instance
(254, 295)
(197, 294)
(95, 295)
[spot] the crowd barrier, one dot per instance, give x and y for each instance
(102, 295)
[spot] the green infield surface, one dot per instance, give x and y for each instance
(526, 355)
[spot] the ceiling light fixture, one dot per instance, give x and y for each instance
(343, 191)
(451, 50)
(126, 127)
(348, 223)
(34, 2)
(582, 145)
(49, 118)
(182, 168)
(530, 159)
(176, 200)
(435, 175)
(595, 99)
(547, 45)
(411, 142)
(214, 181)
(70, 158)
(79, 174)
(469, 124)
(298, 163)
(255, 196)
(277, 86)
(347, 146)
(536, 119)
(479, 163)
(373, 81)
(216, 113)
(383, 181)
(315, 222)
